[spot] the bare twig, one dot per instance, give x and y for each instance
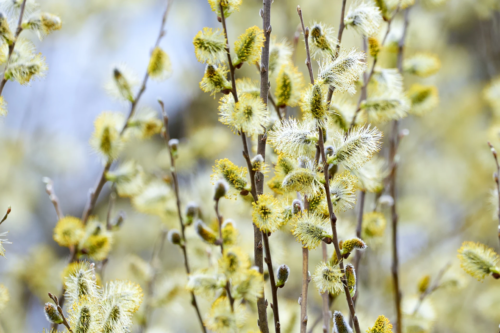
(333, 220)
(357, 257)
(94, 193)
(496, 175)
(9, 210)
(305, 30)
(325, 296)
(13, 45)
(59, 309)
(305, 285)
(392, 178)
(258, 250)
(166, 136)
(432, 288)
(272, 280)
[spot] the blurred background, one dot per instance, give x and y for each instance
(445, 178)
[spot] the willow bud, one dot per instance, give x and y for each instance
(282, 274)
(174, 145)
(192, 210)
(297, 206)
(123, 85)
(52, 314)
(174, 237)
(220, 190)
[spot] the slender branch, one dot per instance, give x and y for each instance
(94, 194)
(258, 251)
(228, 284)
(432, 288)
(325, 296)
(306, 41)
(13, 45)
(9, 210)
(496, 175)
(166, 136)
(49, 188)
(272, 280)
(359, 254)
(318, 319)
(341, 28)
(305, 284)
(333, 220)
(59, 309)
(392, 178)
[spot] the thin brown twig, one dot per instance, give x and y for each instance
(392, 161)
(305, 30)
(166, 136)
(496, 175)
(13, 45)
(94, 193)
(325, 296)
(272, 280)
(368, 78)
(359, 254)
(9, 210)
(432, 288)
(59, 309)
(221, 243)
(333, 220)
(258, 248)
(49, 188)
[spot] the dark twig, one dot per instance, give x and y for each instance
(166, 136)
(496, 175)
(59, 309)
(333, 220)
(358, 255)
(94, 193)
(13, 45)
(305, 285)
(258, 251)
(9, 210)
(221, 243)
(432, 288)
(392, 178)
(306, 41)
(272, 280)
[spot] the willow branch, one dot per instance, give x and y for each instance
(432, 288)
(305, 285)
(305, 30)
(325, 296)
(496, 175)
(94, 193)
(392, 158)
(13, 45)
(333, 220)
(9, 210)
(359, 254)
(258, 252)
(59, 309)
(166, 136)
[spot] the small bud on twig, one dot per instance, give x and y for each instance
(282, 274)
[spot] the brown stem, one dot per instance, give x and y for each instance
(272, 280)
(359, 254)
(432, 288)
(392, 178)
(59, 309)
(325, 296)
(94, 194)
(318, 319)
(166, 136)
(9, 210)
(305, 284)
(306, 41)
(333, 220)
(13, 45)
(228, 284)
(341, 28)
(496, 175)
